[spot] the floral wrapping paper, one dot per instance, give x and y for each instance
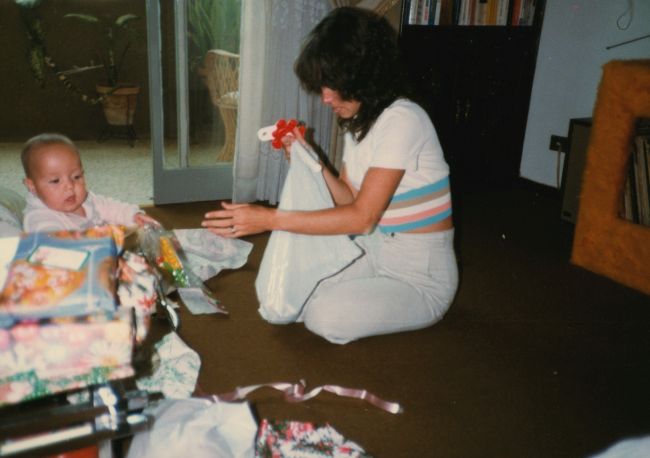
(85, 341)
(47, 356)
(175, 369)
(137, 290)
(295, 439)
(57, 274)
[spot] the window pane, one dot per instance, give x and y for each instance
(213, 50)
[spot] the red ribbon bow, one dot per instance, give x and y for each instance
(282, 128)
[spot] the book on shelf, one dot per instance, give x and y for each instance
(636, 190)
(436, 13)
(527, 13)
(516, 11)
(447, 12)
(470, 12)
(420, 12)
(502, 12)
(411, 8)
(643, 201)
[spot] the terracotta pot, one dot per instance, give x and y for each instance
(119, 103)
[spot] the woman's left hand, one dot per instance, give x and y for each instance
(238, 220)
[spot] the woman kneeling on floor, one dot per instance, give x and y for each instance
(392, 193)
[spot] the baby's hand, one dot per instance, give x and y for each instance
(142, 219)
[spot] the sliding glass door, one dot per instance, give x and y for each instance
(193, 59)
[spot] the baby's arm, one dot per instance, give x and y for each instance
(142, 219)
(116, 212)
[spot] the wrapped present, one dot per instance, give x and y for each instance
(71, 311)
(51, 355)
(295, 439)
(118, 233)
(54, 275)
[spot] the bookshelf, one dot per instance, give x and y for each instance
(635, 202)
(474, 78)
(469, 12)
(604, 242)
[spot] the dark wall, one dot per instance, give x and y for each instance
(27, 108)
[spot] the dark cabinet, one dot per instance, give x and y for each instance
(475, 83)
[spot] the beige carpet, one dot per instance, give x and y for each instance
(112, 168)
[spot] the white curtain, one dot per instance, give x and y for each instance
(272, 33)
(249, 115)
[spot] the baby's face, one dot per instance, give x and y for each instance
(58, 178)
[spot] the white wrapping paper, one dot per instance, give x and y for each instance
(208, 254)
(199, 429)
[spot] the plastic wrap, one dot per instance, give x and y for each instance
(162, 248)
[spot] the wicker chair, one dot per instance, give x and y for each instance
(222, 80)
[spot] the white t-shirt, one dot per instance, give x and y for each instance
(403, 137)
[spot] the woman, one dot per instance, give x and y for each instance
(392, 193)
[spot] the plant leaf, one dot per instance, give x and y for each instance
(37, 64)
(28, 3)
(123, 20)
(83, 17)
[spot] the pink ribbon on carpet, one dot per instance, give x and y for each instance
(295, 392)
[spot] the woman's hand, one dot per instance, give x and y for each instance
(238, 220)
(287, 142)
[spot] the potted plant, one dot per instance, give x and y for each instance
(36, 37)
(118, 98)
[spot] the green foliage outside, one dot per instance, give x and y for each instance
(117, 44)
(213, 24)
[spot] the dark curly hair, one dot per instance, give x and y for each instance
(355, 52)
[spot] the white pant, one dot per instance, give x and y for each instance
(403, 282)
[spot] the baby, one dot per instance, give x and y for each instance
(58, 198)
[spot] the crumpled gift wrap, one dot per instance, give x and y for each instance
(175, 369)
(208, 254)
(197, 428)
(295, 439)
(137, 290)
